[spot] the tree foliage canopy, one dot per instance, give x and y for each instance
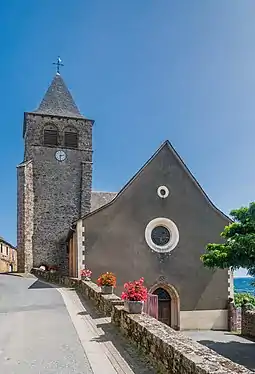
(238, 250)
(243, 298)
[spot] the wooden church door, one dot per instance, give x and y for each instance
(164, 306)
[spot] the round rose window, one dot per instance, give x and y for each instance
(162, 235)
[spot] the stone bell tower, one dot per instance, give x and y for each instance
(55, 178)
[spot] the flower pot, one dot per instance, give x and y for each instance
(107, 290)
(133, 307)
(85, 278)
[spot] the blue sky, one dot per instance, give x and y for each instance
(146, 71)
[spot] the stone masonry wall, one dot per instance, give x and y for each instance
(170, 351)
(248, 322)
(8, 258)
(25, 219)
(20, 217)
(62, 190)
(234, 316)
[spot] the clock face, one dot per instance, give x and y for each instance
(60, 155)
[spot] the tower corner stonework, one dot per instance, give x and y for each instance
(25, 219)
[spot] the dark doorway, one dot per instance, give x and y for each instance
(164, 306)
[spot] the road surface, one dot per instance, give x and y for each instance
(234, 347)
(44, 330)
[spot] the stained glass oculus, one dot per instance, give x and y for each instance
(160, 235)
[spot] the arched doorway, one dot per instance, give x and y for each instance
(168, 304)
(164, 305)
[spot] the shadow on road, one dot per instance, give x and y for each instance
(39, 284)
(13, 274)
(82, 313)
(135, 359)
(241, 353)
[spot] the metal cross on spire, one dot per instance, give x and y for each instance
(58, 64)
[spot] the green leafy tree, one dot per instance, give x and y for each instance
(251, 272)
(238, 249)
(244, 298)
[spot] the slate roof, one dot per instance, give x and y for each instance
(98, 199)
(58, 100)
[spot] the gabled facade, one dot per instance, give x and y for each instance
(157, 227)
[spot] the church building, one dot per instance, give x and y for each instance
(156, 227)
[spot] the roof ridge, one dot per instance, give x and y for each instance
(6, 242)
(167, 144)
(103, 191)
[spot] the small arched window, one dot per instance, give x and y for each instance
(50, 135)
(70, 137)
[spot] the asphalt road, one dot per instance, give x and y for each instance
(36, 332)
(234, 347)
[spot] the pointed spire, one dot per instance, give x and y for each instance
(58, 100)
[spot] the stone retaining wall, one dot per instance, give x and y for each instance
(234, 316)
(248, 322)
(169, 350)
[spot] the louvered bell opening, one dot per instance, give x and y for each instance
(50, 137)
(71, 140)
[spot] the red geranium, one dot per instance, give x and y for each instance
(86, 273)
(107, 279)
(135, 291)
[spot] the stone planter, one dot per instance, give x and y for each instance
(106, 290)
(133, 307)
(85, 278)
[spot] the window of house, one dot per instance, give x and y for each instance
(70, 138)
(50, 135)
(162, 235)
(7, 251)
(1, 247)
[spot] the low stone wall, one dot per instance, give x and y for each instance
(234, 316)
(169, 350)
(248, 321)
(104, 303)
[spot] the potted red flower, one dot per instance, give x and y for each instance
(107, 282)
(134, 295)
(86, 274)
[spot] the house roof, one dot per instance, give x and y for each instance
(167, 145)
(98, 199)
(58, 100)
(2, 240)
